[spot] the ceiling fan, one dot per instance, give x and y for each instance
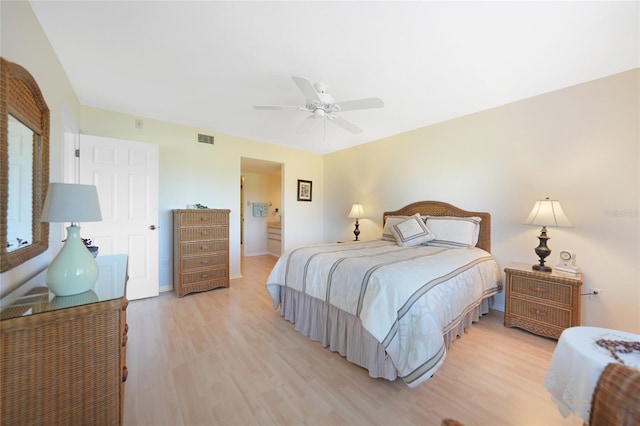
(321, 105)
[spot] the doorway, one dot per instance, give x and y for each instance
(262, 205)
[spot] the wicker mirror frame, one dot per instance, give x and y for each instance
(20, 96)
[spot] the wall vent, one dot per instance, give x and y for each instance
(205, 138)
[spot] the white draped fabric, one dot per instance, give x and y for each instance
(578, 362)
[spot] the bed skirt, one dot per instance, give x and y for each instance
(343, 332)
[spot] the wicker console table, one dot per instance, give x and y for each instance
(63, 358)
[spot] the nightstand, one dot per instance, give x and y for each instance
(543, 303)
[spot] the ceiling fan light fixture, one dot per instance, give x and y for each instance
(323, 106)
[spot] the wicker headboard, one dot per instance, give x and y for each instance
(438, 208)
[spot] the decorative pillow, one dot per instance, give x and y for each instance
(387, 235)
(411, 232)
(453, 231)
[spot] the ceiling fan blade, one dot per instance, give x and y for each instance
(347, 125)
(280, 107)
(306, 125)
(367, 103)
(306, 87)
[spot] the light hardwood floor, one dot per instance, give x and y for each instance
(226, 357)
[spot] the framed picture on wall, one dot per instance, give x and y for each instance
(304, 190)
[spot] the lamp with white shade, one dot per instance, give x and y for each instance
(546, 213)
(357, 212)
(73, 270)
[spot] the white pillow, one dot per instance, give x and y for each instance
(453, 231)
(411, 232)
(387, 235)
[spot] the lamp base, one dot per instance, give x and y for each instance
(542, 251)
(542, 268)
(356, 231)
(73, 270)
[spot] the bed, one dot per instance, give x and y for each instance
(393, 305)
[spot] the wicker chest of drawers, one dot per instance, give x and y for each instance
(201, 250)
(543, 303)
(63, 359)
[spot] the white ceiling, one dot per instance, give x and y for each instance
(206, 63)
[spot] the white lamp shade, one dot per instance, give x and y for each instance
(547, 213)
(357, 211)
(70, 202)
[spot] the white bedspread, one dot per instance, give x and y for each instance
(406, 297)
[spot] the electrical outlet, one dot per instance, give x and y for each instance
(594, 293)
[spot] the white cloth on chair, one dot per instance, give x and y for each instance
(578, 362)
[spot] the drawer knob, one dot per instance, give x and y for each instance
(125, 374)
(537, 312)
(537, 289)
(204, 276)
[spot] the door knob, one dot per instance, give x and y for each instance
(152, 227)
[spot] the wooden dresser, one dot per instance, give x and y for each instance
(201, 250)
(274, 238)
(63, 359)
(544, 303)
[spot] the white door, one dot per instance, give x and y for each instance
(126, 176)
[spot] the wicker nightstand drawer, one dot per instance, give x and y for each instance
(544, 303)
(541, 289)
(540, 312)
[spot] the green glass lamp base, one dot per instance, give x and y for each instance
(74, 270)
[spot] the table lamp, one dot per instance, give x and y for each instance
(73, 270)
(357, 212)
(546, 213)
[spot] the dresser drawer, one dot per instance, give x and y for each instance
(555, 292)
(199, 217)
(558, 317)
(204, 276)
(203, 247)
(198, 262)
(204, 233)
(203, 286)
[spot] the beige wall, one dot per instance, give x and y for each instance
(579, 145)
(192, 172)
(22, 41)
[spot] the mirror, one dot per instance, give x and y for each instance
(19, 205)
(24, 166)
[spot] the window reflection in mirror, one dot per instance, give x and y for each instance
(20, 200)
